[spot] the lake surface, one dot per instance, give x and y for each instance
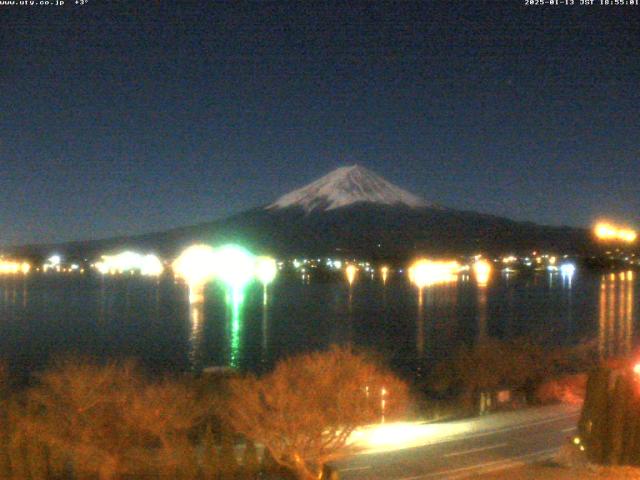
(119, 317)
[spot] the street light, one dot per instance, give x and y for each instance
(196, 266)
(351, 271)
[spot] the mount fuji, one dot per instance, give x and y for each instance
(344, 187)
(351, 211)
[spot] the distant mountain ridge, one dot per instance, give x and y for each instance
(349, 211)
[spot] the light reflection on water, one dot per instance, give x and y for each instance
(153, 321)
(615, 314)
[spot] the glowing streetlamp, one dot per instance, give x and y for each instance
(196, 266)
(234, 266)
(567, 269)
(482, 270)
(605, 231)
(351, 271)
(384, 271)
(266, 270)
(424, 273)
(150, 266)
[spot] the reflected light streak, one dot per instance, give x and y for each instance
(196, 317)
(351, 271)
(615, 315)
(384, 272)
(420, 330)
(602, 319)
(629, 310)
(237, 297)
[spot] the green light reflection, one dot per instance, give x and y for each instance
(237, 299)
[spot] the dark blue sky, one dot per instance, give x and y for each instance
(146, 115)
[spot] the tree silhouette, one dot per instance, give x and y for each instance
(306, 409)
(108, 420)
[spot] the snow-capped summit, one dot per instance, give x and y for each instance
(346, 186)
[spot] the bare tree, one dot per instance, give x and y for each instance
(305, 410)
(110, 421)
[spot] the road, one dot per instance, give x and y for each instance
(461, 449)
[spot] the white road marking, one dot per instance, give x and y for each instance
(484, 467)
(569, 429)
(355, 469)
(510, 429)
(480, 449)
(509, 464)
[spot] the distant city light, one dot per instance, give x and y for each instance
(609, 232)
(384, 271)
(234, 266)
(128, 261)
(482, 270)
(13, 266)
(351, 271)
(196, 266)
(567, 269)
(424, 273)
(53, 262)
(266, 270)
(151, 266)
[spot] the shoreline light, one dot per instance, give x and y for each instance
(195, 266)
(14, 266)
(351, 271)
(567, 269)
(609, 232)
(266, 270)
(129, 262)
(482, 270)
(384, 272)
(234, 266)
(424, 272)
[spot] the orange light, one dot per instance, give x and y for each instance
(424, 273)
(482, 270)
(351, 271)
(609, 232)
(385, 272)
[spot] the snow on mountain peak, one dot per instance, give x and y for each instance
(346, 186)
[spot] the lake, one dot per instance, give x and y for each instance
(131, 316)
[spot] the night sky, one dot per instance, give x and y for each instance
(147, 115)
